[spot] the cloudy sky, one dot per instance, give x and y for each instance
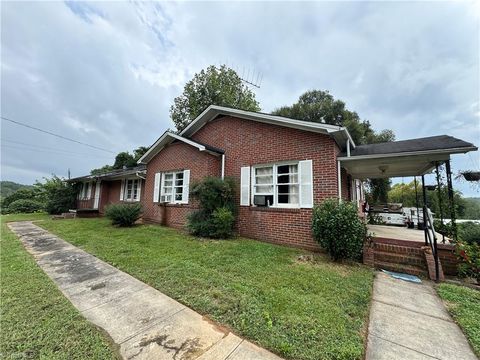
(106, 73)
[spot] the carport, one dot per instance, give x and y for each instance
(414, 157)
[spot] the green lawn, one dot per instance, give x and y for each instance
(36, 320)
(259, 290)
(464, 305)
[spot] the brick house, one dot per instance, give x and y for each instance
(281, 166)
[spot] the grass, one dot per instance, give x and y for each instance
(299, 310)
(463, 304)
(36, 320)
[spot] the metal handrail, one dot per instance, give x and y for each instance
(432, 239)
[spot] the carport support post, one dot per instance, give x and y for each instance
(439, 192)
(450, 198)
(416, 199)
(424, 191)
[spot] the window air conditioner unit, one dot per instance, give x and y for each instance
(262, 200)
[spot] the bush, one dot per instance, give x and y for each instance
(469, 255)
(338, 229)
(58, 195)
(25, 193)
(216, 216)
(469, 232)
(25, 206)
(123, 214)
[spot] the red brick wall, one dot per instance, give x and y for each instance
(176, 156)
(248, 143)
(110, 193)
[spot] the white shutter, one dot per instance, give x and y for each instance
(139, 189)
(97, 195)
(306, 183)
(186, 186)
(89, 190)
(245, 186)
(156, 187)
(122, 189)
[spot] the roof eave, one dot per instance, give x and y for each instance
(340, 134)
(461, 150)
(160, 144)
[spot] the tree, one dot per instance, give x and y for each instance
(123, 159)
(213, 86)
(378, 188)
(405, 194)
(320, 106)
(58, 195)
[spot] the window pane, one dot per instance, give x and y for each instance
(179, 175)
(285, 179)
(260, 180)
(264, 189)
(287, 169)
(287, 194)
(179, 182)
(169, 176)
(178, 197)
(264, 171)
(168, 183)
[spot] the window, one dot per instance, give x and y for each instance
(278, 183)
(172, 190)
(132, 190)
(85, 191)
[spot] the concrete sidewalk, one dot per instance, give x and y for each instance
(145, 323)
(409, 321)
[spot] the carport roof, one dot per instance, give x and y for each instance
(441, 142)
(412, 157)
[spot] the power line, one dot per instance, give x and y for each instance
(53, 134)
(49, 148)
(91, 156)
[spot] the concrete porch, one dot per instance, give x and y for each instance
(400, 233)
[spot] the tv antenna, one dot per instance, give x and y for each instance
(251, 77)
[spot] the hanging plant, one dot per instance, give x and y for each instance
(471, 175)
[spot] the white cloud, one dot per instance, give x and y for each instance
(107, 72)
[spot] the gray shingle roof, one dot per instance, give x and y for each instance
(112, 174)
(441, 142)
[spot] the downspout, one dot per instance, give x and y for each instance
(339, 181)
(223, 166)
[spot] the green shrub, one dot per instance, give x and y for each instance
(58, 195)
(216, 216)
(338, 229)
(469, 232)
(123, 214)
(24, 193)
(469, 256)
(25, 206)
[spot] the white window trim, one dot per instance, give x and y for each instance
(125, 190)
(275, 184)
(172, 194)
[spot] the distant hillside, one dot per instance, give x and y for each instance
(472, 208)
(9, 187)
